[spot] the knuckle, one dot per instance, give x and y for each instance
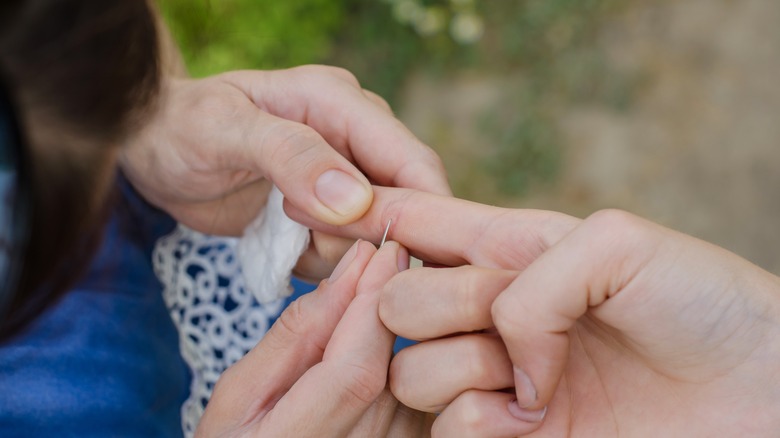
(501, 315)
(364, 384)
(344, 75)
(466, 297)
(291, 144)
(396, 207)
(378, 100)
(212, 104)
(293, 320)
(432, 157)
(422, 160)
(472, 417)
(618, 227)
(325, 72)
(428, 158)
(479, 362)
(612, 219)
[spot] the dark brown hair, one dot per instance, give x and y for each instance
(81, 75)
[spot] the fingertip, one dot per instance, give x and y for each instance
(351, 266)
(384, 264)
(530, 416)
(401, 254)
(524, 389)
(344, 198)
(344, 263)
(403, 258)
(390, 250)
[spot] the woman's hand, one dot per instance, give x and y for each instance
(322, 368)
(620, 328)
(215, 144)
(209, 154)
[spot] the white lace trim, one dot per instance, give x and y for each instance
(218, 319)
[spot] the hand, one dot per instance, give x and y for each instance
(672, 336)
(322, 368)
(620, 328)
(210, 153)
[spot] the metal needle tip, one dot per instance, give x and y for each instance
(384, 237)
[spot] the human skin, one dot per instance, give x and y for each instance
(213, 147)
(322, 368)
(608, 326)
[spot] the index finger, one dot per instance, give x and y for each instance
(452, 231)
(331, 397)
(358, 124)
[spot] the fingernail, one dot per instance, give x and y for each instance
(344, 263)
(341, 192)
(526, 415)
(526, 391)
(403, 259)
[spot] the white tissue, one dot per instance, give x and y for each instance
(269, 250)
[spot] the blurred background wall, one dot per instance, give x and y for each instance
(669, 109)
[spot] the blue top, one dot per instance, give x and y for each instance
(103, 361)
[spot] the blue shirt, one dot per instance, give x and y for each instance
(104, 360)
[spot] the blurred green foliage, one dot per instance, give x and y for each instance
(549, 45)
(220, 35)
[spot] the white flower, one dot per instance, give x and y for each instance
(467, 28)
(407, 11)
(430, 22)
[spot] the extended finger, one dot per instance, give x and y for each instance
(330, 398)
(428, 303)
(430, 375)
(484, 414)
(451, 231)
(249, 389)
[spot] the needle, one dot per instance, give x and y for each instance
(384, 237)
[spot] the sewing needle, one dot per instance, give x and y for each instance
(384, 237)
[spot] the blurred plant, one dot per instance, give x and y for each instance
(551, 47)
(219, 35)
(525, 146)
(465, 24)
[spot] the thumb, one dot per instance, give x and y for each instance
(583, 272)
(312, 175)
(295, 343)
